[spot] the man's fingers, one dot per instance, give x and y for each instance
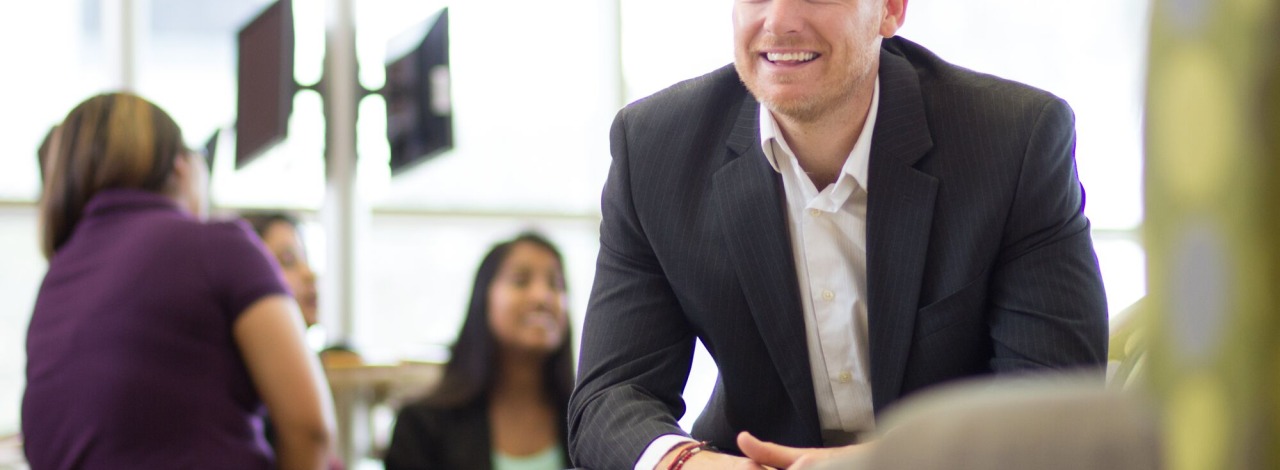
(767, 453)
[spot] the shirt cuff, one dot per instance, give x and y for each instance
(658, 448)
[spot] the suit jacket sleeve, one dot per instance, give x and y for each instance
(637, 345)
(1048, 306)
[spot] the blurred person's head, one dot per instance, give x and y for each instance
(279, 232)
(527, 300)
(517, 308)
(116, 141)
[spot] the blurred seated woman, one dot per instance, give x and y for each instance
(279, 232)
(501, 403)
(157, 337)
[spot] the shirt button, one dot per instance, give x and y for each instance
(815, 212)
(844, 378)
(828, 295)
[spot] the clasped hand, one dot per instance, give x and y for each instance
(767, 455)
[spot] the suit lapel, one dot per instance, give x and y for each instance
(749, 197)
(899, 213)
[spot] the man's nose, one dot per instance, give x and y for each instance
(784, 16)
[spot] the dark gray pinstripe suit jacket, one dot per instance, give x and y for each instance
(979, 257)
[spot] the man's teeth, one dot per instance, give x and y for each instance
(790, 56)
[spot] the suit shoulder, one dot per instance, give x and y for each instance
(976, 91)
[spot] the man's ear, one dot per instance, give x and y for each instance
(895, 12)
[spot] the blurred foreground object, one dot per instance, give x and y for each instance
(1052, 422)
(1212, 207)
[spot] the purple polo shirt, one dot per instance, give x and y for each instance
(131, 361)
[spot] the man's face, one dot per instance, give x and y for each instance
(804, 58)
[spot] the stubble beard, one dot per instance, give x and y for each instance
(808, 109)
(821, 103)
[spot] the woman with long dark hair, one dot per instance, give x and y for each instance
(502, 400)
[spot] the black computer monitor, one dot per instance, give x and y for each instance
(265, 81)
(419, 105)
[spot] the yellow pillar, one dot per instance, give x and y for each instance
(1212, 230)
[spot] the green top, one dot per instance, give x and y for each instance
(548, 459)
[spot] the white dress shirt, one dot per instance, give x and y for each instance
(829, 243)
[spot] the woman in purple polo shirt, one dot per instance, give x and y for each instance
(157, 337)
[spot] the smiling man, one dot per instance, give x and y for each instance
(843, 219)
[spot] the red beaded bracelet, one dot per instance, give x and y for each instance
(687, 453)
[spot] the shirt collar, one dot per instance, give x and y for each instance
(859, 158)
(117, 199)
